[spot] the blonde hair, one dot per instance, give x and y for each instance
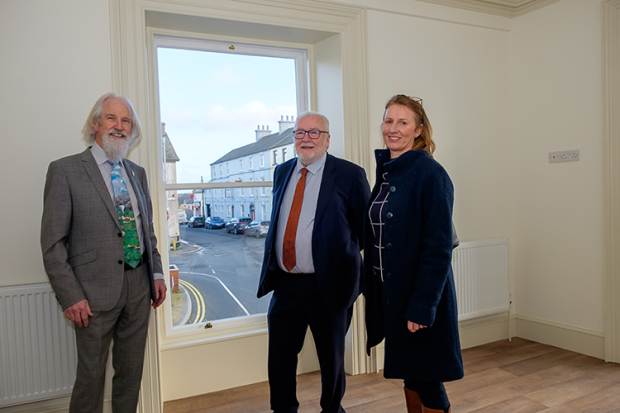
(424, 142)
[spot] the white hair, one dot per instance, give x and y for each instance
(314, 114)
(88, 133)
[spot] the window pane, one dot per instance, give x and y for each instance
(215, 262)
(210, 106)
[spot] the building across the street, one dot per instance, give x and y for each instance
(250, 163)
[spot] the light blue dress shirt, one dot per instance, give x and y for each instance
(303, 241)
(106, 169)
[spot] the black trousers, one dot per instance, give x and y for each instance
(432, 394)
(295, 306)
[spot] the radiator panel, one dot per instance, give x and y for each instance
(37, 346)
(481, 277)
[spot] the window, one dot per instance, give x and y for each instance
(262, 188)
(221, 77)
(262, 211)
(275, 157)
(283, 154)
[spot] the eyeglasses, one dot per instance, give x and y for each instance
(417, 99)
(312, 134)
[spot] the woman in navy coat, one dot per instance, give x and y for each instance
(408, 283)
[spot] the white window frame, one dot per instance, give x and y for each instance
(241, 165)
(275, 156)
(262, 160)
(251, 162)
(301, 67)
(283, 154)
(132, 74)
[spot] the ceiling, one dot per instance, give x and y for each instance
(507, 8)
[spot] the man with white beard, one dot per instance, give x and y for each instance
(100, 254)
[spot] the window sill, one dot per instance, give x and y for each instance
(196, 335)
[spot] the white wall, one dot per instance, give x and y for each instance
(500, 94)
(462, 73)
(55, 64)
(556, 104)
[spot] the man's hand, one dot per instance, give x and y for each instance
(413, 327)
(79, 313)
(160, 289)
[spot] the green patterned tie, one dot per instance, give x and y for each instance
(126, 216)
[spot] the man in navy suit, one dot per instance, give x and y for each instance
(312, 262)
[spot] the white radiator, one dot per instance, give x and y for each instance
(37, 345)
(481, 277)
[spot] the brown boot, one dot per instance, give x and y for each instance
(427, 410)
(414, 405)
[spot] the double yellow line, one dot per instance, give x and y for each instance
(200, 302)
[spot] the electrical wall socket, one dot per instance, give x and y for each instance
(564, 156)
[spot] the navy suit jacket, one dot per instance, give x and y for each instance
(337, 234)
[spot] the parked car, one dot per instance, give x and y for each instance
(182, 217)
(196, 221)
(214, 223)
(257, 229)
(237, 225)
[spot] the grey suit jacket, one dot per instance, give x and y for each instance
(80, 234)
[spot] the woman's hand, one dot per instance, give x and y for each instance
(413, 327)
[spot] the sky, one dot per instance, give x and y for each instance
(213, 102)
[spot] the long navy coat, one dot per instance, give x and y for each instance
(418, 282)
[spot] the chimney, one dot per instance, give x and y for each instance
(262, 131)
(286, 124)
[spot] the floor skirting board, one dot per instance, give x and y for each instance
(58, 405)
(579, 340)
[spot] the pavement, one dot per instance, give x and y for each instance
(187, 307)
(186, 248)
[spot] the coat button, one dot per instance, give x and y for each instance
(388, 276)
(120, 261)
(388, 246)
(389, 215)
(392, 189)
(388, 302)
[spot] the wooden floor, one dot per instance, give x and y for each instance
(517, 376)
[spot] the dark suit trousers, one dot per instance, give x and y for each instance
(294, 306)
(127, 325)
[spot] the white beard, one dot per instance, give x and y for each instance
(116, 149)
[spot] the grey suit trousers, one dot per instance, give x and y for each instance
(126, 324)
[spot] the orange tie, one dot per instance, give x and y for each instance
(289, 259)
